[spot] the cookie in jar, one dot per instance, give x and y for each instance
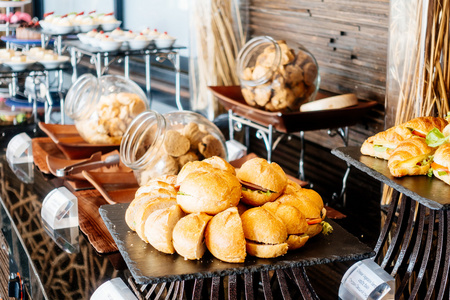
(103, 108)
(161, 144)
(276, 77)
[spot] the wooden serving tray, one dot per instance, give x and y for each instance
(231, 98)
(71, 144)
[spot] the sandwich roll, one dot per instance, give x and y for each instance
(220, 163)
(209, 192)
(262, 181)
(297, 241)
(441, 163)
(145, 210)
(224, 236)
(194, 166)
(293, 219)
(134, 206)
(261, 226)
(159, 228)
(422, 125)
(265, 250)
(188, 235)
(382, 144)
(411, 157)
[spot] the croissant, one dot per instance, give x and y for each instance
(422, 125)
(411, 157)
(382, 144)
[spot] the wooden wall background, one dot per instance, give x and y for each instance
(349, 39)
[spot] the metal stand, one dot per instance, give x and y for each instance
(235, 123)
(270, 285)
(161, 55)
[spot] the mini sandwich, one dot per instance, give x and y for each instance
(159, 228)
(264, 232)
(411, 157)
(224, 236)
(441, 163)
(310, 204)
(261, 181)
(383, 144)
(209, 192)
(188, 235)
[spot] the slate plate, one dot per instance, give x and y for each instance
(431, 192)
(148, 265)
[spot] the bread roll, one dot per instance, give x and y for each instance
(266, 251)
(382, 144)
(269, 177)
(188, 235)
(296, 241)
(134, 205)
(224, 236)
(423, 125)
(314, 230)
(263, 227)
(411, 157)
(303, 203)
(220, 163)
(193, 166)
(159, 228)
(145, 210)
(209, 192)
(293, 219)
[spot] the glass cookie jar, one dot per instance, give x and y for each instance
(276, 77)
(161, 144)
(102, 108)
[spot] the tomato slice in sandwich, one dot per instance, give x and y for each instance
(420, 134)
(314, 221)
(438, 167)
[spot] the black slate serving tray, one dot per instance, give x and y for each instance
(149, 266)
(431, 192)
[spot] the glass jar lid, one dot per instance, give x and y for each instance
(248, 57)
(82, 96)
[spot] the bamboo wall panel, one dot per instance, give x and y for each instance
(349, 40)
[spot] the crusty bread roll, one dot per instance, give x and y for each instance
(156, 187)
(411, 157)
(296, 241)
(224, 236)
(293, 219)
(159, 228)
(268, 177)
(209, 192)
(262, 226)
(303, 203)
(292, 186)
(188, 235)
(193, 166)
(314, 230)
(146, 209)
(134, 206)
(313, 196)
(220, 163)
(442, 158)
(266, 250)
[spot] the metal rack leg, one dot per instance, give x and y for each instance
(178, 81)
(148, 79)
(73, 62)
(301, 170)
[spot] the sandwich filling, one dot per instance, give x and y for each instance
(248, 186)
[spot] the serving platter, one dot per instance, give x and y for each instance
(71, 144)
(231, 98)
(148, 265)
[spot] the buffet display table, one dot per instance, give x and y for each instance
(416, 231)
(64, 264)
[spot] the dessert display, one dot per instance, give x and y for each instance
(79, 21)
(164, 40)
(417, 147)
(156, 145)
(18, 63)
(206, 213)
(141, 41)
(275, 77)
(28, 31)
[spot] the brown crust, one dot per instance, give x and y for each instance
(224, 236)
(209, 192)
(262, 226)
(266, 251)
(293, 219)
(296, 241)
(426, 124)
(442, 155)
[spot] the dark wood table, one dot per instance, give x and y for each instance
(414, 243)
